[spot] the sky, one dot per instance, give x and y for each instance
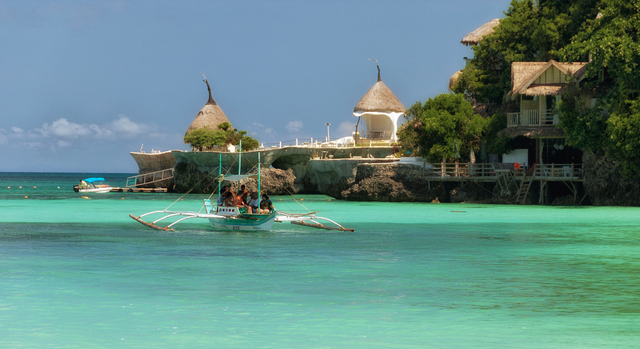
(83, 83)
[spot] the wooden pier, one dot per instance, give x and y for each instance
(512, 182)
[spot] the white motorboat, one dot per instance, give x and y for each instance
(92, 185)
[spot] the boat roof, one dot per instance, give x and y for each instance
(94, 179)
(236, 178)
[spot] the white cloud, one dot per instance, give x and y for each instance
(63, 128)
(62, 132)
(123, 124)
(262, 134)
(345, 129)
(32, 145)
(269, 132)
(294, 126)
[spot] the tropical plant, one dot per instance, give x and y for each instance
(531, 31)
(434, 127)
(613, 43)
(206, 138)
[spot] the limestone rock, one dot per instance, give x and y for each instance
(393, 182)
(604, 184)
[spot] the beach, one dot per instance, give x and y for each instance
(79, 273)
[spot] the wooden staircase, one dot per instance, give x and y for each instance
(524, 189)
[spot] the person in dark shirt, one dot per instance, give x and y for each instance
(223, 195)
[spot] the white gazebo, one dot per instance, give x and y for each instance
(380, 110)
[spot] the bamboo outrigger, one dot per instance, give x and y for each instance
(231, 218)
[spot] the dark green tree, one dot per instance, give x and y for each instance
(531, 31)
(613, 43)
(206, 138)
(432, 128)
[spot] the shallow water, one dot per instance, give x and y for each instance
(79, 273)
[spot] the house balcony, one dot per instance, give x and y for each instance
(532, 118)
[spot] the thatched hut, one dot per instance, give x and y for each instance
(380, 109)
(453, 79)
(543, 78)
(210, 116)
(538, 87)
(476, 36)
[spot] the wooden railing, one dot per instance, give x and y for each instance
(149, 178)
(532, 118)
(487, 170)
(463, 170)
(569, 171)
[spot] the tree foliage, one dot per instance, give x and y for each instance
(206, 138)
(497, 144)
(433, 127)
(531, 31)
(613, 42)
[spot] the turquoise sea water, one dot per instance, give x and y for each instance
(79, 273)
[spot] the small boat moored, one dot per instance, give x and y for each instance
(92, 185)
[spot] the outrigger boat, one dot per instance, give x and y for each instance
(92, 185)
(230, 218)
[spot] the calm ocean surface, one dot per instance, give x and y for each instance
(79, 273)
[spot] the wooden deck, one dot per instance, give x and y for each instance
(487, 172)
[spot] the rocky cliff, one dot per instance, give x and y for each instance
(605, 186)
(398, 182)
(191, 167)
(333, 176)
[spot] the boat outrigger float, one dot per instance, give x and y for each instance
(231, 218)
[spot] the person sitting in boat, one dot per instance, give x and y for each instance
(220, 201)
(254, 203)
(266, 205)
(244, 193)
(83, 184)
(228, 199)
(239, 202)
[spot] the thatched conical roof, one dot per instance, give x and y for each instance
(453, 79)
(210, 116)
(379, 98)
(476, 36)
(524, 74)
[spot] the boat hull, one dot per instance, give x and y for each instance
(244, 222)
(95, 190)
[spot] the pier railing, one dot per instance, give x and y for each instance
(484, 170)
(488, 170)
(149, 178)
(325, 142)
(558, 171)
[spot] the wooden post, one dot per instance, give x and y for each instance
(572, 172)
(259, 195)
(239, 157)
(219, 171)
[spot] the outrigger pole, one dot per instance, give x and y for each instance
(239, 157)
(219, 172)
(259, 194)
